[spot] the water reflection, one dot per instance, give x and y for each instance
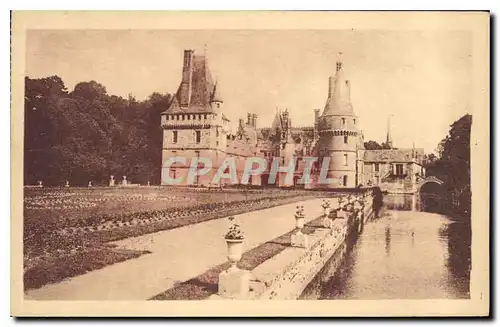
(405, 254)
(428, 202)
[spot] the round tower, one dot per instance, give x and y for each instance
(339, 133)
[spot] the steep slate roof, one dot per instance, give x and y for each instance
(202, 91)
(395, 155)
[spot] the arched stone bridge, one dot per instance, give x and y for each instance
(430, 179)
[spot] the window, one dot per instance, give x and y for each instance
(345, 159)
(377, 167)
(344, 180)
(174, 137)
(399, 169)
(354, 120)
(343, 121)
(217, 132)
(198, 136)
(345, 139)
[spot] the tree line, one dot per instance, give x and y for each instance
(87, 135)
(453, 166)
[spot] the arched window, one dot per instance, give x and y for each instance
(343, 122)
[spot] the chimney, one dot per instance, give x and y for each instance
(254, 120)
(187, 75)
(249, 119)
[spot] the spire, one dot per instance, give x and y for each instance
(216, 94)
(339, 100)
(277, 120)
(388, 139)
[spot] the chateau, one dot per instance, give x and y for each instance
(194, 125)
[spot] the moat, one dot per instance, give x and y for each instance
(407, 253)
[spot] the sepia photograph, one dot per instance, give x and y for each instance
(250, 164)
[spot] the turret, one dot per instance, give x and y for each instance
(216, 100)
(338, 132)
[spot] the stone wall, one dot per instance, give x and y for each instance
(286, 275)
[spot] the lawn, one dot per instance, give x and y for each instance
(66, 230)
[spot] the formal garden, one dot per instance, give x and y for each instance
(67, 230)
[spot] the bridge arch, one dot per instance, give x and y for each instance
(430, 194)
(430, 179)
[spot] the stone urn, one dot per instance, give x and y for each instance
(299, 239)
(234, 252)
(325, 205)
(234, 240)
(299, 218)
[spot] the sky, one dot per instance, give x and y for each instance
(421, 79)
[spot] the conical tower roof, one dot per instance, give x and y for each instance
(339, 98)
(216, 94)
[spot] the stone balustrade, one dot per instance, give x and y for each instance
(287, 274)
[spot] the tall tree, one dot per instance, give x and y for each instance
(453, 165)
(87, 135)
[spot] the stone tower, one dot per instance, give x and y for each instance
(194, 124)
(284, 146)
(339, 133)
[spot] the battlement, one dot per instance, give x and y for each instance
(185, 120)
